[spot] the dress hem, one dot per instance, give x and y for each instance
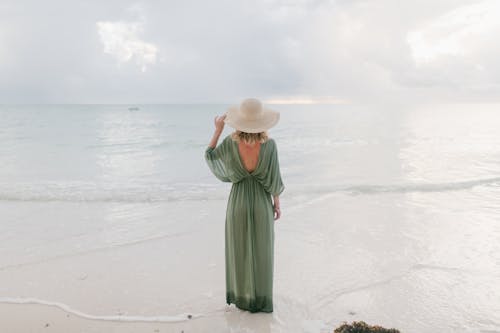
(244, 304)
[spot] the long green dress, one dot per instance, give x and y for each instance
(249, 226)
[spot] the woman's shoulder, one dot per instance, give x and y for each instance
(270, 141)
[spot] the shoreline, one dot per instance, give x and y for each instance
(30, 317)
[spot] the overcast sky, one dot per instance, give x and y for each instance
(220, 51)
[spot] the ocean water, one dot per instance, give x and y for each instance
(390, 215)
(108, 153)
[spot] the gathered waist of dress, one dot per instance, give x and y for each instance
(251, 177)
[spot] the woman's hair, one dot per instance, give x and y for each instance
(249, 137)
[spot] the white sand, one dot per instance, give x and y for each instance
(383, 259)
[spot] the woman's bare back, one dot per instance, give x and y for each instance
(249, 155)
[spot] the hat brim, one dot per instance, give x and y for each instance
(268, 120)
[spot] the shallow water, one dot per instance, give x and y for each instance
(390, 215)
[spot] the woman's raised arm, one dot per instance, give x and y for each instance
(219, 127)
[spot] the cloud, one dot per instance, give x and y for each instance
(221, 51)
(121, 40)
(452, 54)
(456, 32)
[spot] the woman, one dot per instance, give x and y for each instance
(248, 159)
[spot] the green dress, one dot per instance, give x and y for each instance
(249, 226)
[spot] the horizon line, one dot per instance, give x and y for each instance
(185, 103)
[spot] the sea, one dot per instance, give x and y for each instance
(390, 215)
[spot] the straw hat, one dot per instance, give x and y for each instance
(251, 117)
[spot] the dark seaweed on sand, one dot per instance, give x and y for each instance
(362, 327)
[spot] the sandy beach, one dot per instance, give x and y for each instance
(387, 272)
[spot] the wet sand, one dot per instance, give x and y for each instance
(393, 259)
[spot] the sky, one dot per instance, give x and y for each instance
(221, 51)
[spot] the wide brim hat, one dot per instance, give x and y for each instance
(251, 116)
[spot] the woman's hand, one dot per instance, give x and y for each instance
(277, 212)
(219, 126)
(219, 123)
(276, 207)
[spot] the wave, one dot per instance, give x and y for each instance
(144, 193)
(426, 187)
(322, 191)
(29, 300)
(107, 197)
(95, 192)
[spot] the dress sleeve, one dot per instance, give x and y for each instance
(273, 183)
(217, 159)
